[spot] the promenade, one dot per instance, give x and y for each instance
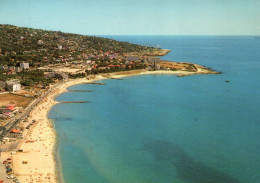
(7, 149)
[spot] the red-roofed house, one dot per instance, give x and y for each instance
(11, 71)
(10, 108)
(14, 133)
(7, 109)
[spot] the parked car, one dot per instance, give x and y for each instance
(15, 179)
(10, 176)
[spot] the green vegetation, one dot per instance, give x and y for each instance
(41, 47)
(28, 78)
(47, 48)
(33, 77)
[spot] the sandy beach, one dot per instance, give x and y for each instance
(40, 142)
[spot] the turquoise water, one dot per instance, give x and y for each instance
(164, 129)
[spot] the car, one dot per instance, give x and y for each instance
(4, 162)
(15, 179)
(10, 177)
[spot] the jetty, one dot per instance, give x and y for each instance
(76, 102)
(80, 90)
(94, 83)
(182, 75)
(117, 78)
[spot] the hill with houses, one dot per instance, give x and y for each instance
(36, 58)
(23, 51)
(41, 47)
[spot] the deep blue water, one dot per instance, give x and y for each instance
(165, 129)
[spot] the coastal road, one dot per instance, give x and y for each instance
(14, 122)
(4, 130)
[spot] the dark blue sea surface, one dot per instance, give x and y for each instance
(165, 129)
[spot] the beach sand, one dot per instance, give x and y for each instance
(40, 142)
(38, 148)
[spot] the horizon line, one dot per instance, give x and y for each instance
(135, 34)
(166, 35)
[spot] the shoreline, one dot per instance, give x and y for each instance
(56, 155)
(43, 154)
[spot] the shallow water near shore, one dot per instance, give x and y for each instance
(161, 128)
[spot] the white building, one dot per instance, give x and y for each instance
(24, 65)
(13, 85)
(40, 42)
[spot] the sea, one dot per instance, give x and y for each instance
(168, 129)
